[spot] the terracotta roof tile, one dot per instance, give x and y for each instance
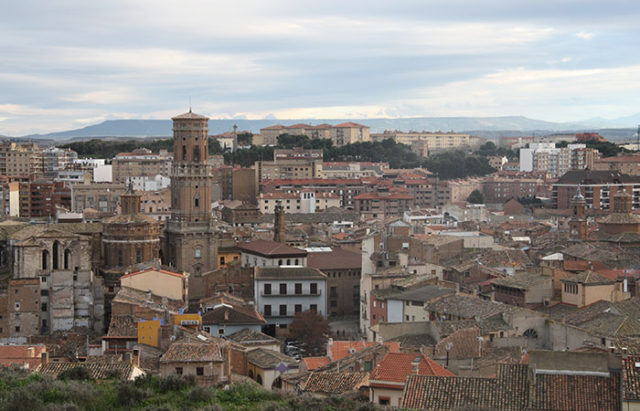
(271, 249)
(335, 382)
(192, 352)
(315, 362)
(396, 367)
(98, 370)
(342, 349)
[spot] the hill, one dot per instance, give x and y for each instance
(162, 128)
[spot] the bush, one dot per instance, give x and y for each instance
(200, 394)
(78, 373)
(175, 383)
(128, 394)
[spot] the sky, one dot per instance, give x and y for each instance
(68, 64)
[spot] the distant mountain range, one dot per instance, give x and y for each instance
(483, 126)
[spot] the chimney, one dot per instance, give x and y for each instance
(135, 357)
(415, 364)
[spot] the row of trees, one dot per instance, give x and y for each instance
(107, 149)
(450, 164)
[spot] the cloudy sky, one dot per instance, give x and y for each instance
(68, 64)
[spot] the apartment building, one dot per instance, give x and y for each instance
(103, 197)
(500, 189)
(556, 161)
(140, 162)
(295, 163)
(347, 189)
(281, 292)
(349, 133)
(597, 187)
(352, 169)
(304, 202)
(424, 143)
(627, 164)
(383, 203)
(19, 160)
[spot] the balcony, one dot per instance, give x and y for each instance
(318, 294)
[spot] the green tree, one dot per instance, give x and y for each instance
(245, 139)
(476, 197)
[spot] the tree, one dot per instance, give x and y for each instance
(312, 330)
(476, 197)
(245, 139)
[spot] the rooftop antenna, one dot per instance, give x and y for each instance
(189, 104)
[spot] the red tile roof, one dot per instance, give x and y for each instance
(315, 362)
(350, 124)
(378, 196)
(396, 367)
(581, 265)
(153, 269)
(271, 248)
(338, 258)
(341, 349)
(18, 355)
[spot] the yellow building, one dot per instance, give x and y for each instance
(149, 332)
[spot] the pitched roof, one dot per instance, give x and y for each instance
(341, 349)
(631, 377)
(182, 351)
(349, 124)
(396, 367)
(315, 362)
(190, 116)
(11, 355)
(269, 359)
(588, 277)
(281, 273)
(123, 326)
(582, 265)
(99, 369)
(509, 391)
(227, 314)
(338, 258)
(248, 336)
(271, 249)
(335, 382)
(575, 392)
(157, 270)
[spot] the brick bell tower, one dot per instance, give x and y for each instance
(578, 221)
(190, 244)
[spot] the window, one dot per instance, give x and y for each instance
(178, 370)
(283, 289)
(298, 288)
(44, 293)
(314, 288)
(197, 253)
(267, 310)
(199, 370)
(267, 289)
(196, 202)
(17, 306)
(333, 292)
(384, 401)
(334, 303)
(120, 258)
(17, 328)
(314, 308)
(138, 255)
(222, 260)
(220, 331)
(298, 308)
(43, 307)
(283, 309)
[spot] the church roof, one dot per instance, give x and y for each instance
(190, 116)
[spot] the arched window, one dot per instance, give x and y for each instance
(67, 258)
(196, 153)
(56, 252)
(45, 259)
(196, 201)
